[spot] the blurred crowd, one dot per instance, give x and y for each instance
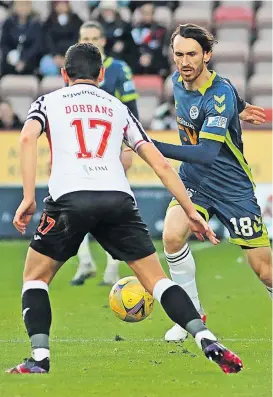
(32, 46)
(33, 43)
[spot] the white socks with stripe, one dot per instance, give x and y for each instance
(182, 270)
(111, 274)
(86, 262)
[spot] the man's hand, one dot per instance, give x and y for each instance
(253, 114)
(23, 215)
(200, 228)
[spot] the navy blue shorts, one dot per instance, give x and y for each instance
(242, 218)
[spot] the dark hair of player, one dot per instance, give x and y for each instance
(83, 61)
(195, 32)
(95, 25)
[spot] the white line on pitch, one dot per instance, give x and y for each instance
(96, 340)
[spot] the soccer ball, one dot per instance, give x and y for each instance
(130, 301)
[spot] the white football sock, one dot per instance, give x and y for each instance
(111, 271)
(86, 262)
(182, 270)
(206, 334)
(40, 353)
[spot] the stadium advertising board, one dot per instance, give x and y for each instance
(152, 199)
(257, 146)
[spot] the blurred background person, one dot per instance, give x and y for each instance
(8, 119)
(60, 32)
(119, 40)
(21, 41)
(164, 117)
(150, 39)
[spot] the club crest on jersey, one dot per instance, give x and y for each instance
(194, 112)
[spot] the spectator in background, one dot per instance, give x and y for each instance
(60, 32)
(150, 39)
(119, 40)
(96, 3)
(164, 116)
(139, 3)
(6, 4)
(21, 40)
(8, 119)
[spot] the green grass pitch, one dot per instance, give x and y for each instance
(86, 360)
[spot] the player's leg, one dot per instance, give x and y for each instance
(128, 239)
(56, 239)
(87, 266)
(260, 259)
(245, 224)
(177, 252)
(181, 310)
(111, 274)
(36, 310)
(180, 260)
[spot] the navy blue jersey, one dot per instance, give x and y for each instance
(118, 80)
(212, 113)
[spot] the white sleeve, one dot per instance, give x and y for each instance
(134, 134)
(37, 111)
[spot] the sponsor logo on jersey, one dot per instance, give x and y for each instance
(36, 237)
(194, 112)
(181, 121)
(217, 121)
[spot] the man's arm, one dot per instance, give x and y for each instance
(126, 158)
(241, 103)
(247, 112)
(173, 183)
(136, 138)
(168, 175)
(253, 114)
(28, 161)
(28, 157)
(204, 153)
(212, 134)
(34, 125)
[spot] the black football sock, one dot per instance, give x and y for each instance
(180, 308)
(37, 317)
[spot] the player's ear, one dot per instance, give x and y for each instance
(207, 56)
(101, 75)
(65, 76)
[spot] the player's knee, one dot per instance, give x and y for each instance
(44, 275)
(173, 242)
(29, 277)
